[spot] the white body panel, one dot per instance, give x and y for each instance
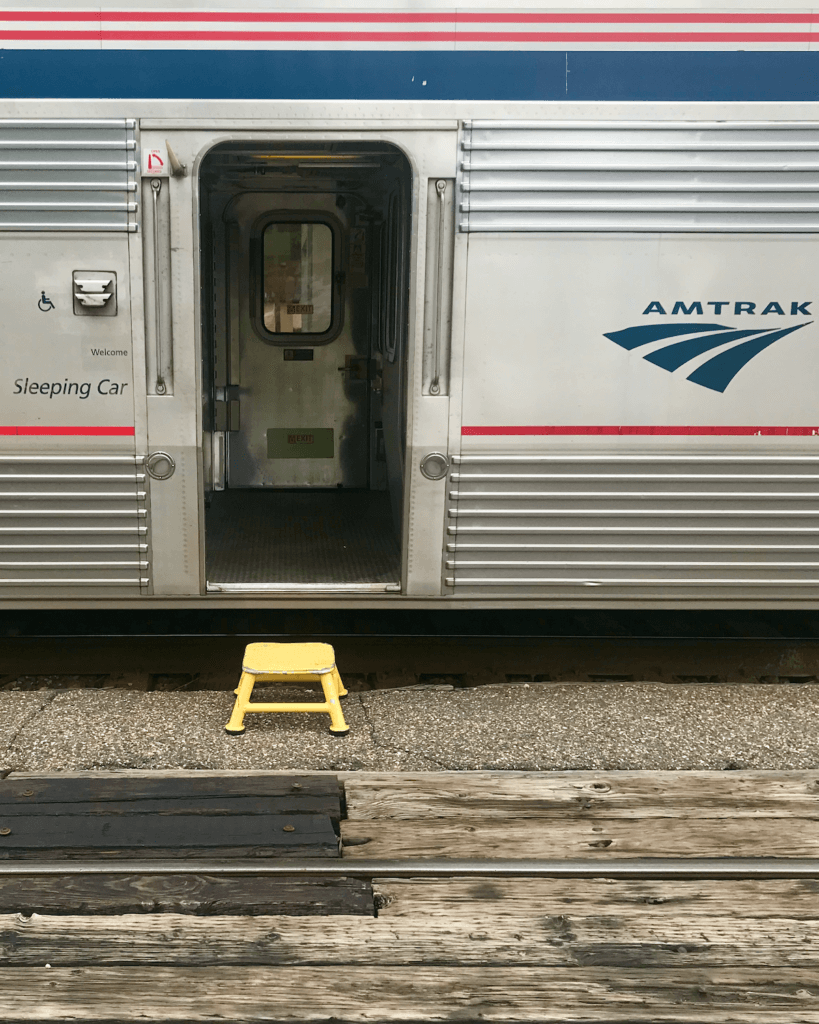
(539, 307)
(58, 368)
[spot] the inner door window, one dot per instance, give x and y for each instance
(298, 278)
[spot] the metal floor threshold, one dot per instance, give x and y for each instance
(260, 541)
(303, 588)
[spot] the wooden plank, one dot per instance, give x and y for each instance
(184, 894)
(177, 773)
(360, 995)
(286, 835)
(636, 794)
(234, 793)
(154, 853)
(521, 897)
(600, 839)
(224, 806)
(472, 938)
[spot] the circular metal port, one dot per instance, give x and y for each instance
(434, 466)
(160, 465)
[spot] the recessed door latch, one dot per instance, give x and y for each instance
(160, 465)
(95, 293)
(435, 466)
(226, 408)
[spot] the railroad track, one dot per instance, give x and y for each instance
(503, 897)
(641, 868)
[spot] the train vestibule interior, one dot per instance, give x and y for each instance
(305, 253)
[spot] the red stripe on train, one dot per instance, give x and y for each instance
(414, 17)
(68, 431)
(105, 35)
(666, 431)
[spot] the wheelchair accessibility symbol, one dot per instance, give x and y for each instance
(45, 304)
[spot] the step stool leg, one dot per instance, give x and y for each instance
(236, 726)
(338, 727)
(339, 685)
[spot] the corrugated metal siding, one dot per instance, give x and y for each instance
(669, 526)
(73, 521)
(638, 176)
(68, 175)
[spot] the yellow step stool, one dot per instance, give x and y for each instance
(291, 663)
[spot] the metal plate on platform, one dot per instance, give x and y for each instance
(192, 794)
(270, 816)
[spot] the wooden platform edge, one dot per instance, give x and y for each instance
(412, 995)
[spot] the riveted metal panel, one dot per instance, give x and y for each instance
(623, 526)
(639, 176)
(68, 175)
(73, 520)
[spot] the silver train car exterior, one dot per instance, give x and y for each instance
(417, 305)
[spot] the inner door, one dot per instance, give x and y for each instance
(302, 381)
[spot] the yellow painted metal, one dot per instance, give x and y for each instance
(289, 659)
(292, 663)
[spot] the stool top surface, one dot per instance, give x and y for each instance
(288, 659)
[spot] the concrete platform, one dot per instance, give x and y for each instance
(16, 711)
(536, 727)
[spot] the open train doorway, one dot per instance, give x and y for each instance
(305, 258)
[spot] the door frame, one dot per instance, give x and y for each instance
(430, 152)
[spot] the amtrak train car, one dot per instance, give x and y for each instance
(409, 304)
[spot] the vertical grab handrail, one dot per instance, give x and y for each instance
(435, 384)
(156, 187)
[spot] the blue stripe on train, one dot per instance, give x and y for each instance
(404, 75)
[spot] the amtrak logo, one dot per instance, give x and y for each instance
(717, 372)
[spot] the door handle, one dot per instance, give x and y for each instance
(435, 385)
(158, 292)
(356, 368)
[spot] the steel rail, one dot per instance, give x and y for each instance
(636, 868)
